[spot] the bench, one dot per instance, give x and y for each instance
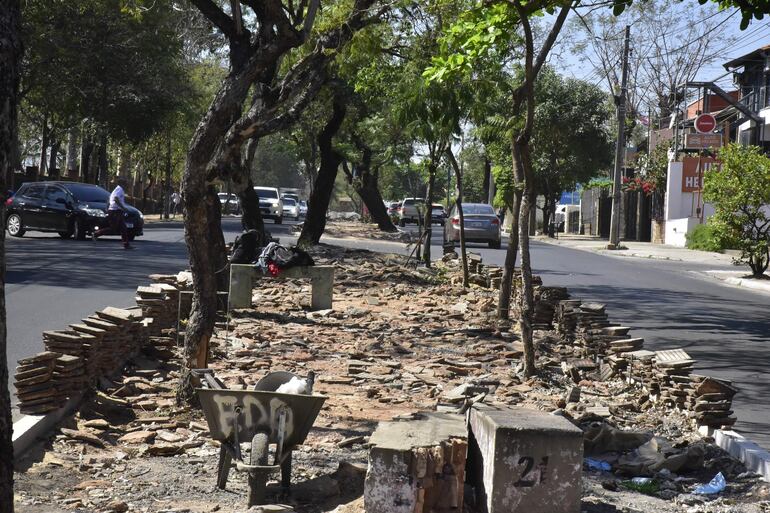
(321, 278)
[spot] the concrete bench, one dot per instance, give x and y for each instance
(321, 278)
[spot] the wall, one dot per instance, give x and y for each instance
(681, 207)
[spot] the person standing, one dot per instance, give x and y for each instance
(176, 198)
(116, 216)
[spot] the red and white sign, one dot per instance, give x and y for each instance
(705, 123)
(693, 171)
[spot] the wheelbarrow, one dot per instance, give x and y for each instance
(260, 417)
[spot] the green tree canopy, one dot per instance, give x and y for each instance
(740, 193)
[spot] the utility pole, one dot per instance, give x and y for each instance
(620, 149)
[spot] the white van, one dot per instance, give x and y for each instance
(270, 204)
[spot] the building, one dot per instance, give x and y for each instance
(751, 74)
(742, 116)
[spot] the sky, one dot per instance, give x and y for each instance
(728, 24)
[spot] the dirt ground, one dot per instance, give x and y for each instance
(396, 342)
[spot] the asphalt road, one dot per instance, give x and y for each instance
(52, 283)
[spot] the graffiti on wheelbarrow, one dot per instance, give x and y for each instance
(255, 412)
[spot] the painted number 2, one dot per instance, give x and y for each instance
(529, 463)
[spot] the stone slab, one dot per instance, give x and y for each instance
(524, 461)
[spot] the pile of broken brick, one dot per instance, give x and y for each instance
(75, 358)
(667, 375)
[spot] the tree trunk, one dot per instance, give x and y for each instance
(459, 204)
(251, 216)
(86, 150)
(506, 284)
(759, 264)
(369, 192)
(102, 171)
(488, 186)
(165, 193)
(366, 184)
(428, 212)
(10, 63)
(72, 150)
(55, 145)
(527, 295)
(318, 204)
(43, 162)
(203, 233)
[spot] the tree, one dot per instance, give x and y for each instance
(331, 159)
(10, 61)
(488, 30)
(571, 138)
(740, 191)
(116, 66)
(223, 143)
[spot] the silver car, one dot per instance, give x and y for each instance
(481, 224)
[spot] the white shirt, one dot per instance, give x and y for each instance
(176, 197)
(117, 199)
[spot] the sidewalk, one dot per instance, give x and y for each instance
(738, 277)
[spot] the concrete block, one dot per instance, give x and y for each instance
(524, 461)
(417, 466)
(241, 281)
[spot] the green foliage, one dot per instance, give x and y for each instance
(705, 237)
(654, 167)
(118, 64)
(599, 183)
(571, 141)
(740, 193)
(504, 187)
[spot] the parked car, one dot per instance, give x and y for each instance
(409, 210)
(481, 224)
(302, 208)
(70, 209)
(270, 204)
(290, 208)
(230, 203)
(438, 214)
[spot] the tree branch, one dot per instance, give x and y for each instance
(217, 16)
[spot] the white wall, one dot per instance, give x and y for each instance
(681, 207)
(676, 229)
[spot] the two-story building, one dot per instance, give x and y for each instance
(751, 75)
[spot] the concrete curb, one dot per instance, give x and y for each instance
(747, 283)
(755, 458)
(31, 428)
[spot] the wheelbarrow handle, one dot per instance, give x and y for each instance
(310, 382)
(207, 377)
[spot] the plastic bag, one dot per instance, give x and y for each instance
(294, 386)
(716, 485)
(595, 464)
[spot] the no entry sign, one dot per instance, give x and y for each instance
(705, 123)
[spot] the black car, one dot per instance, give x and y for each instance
(70, 209)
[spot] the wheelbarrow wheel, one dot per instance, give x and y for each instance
(258, 480)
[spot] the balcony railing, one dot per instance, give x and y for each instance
(755, 97)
